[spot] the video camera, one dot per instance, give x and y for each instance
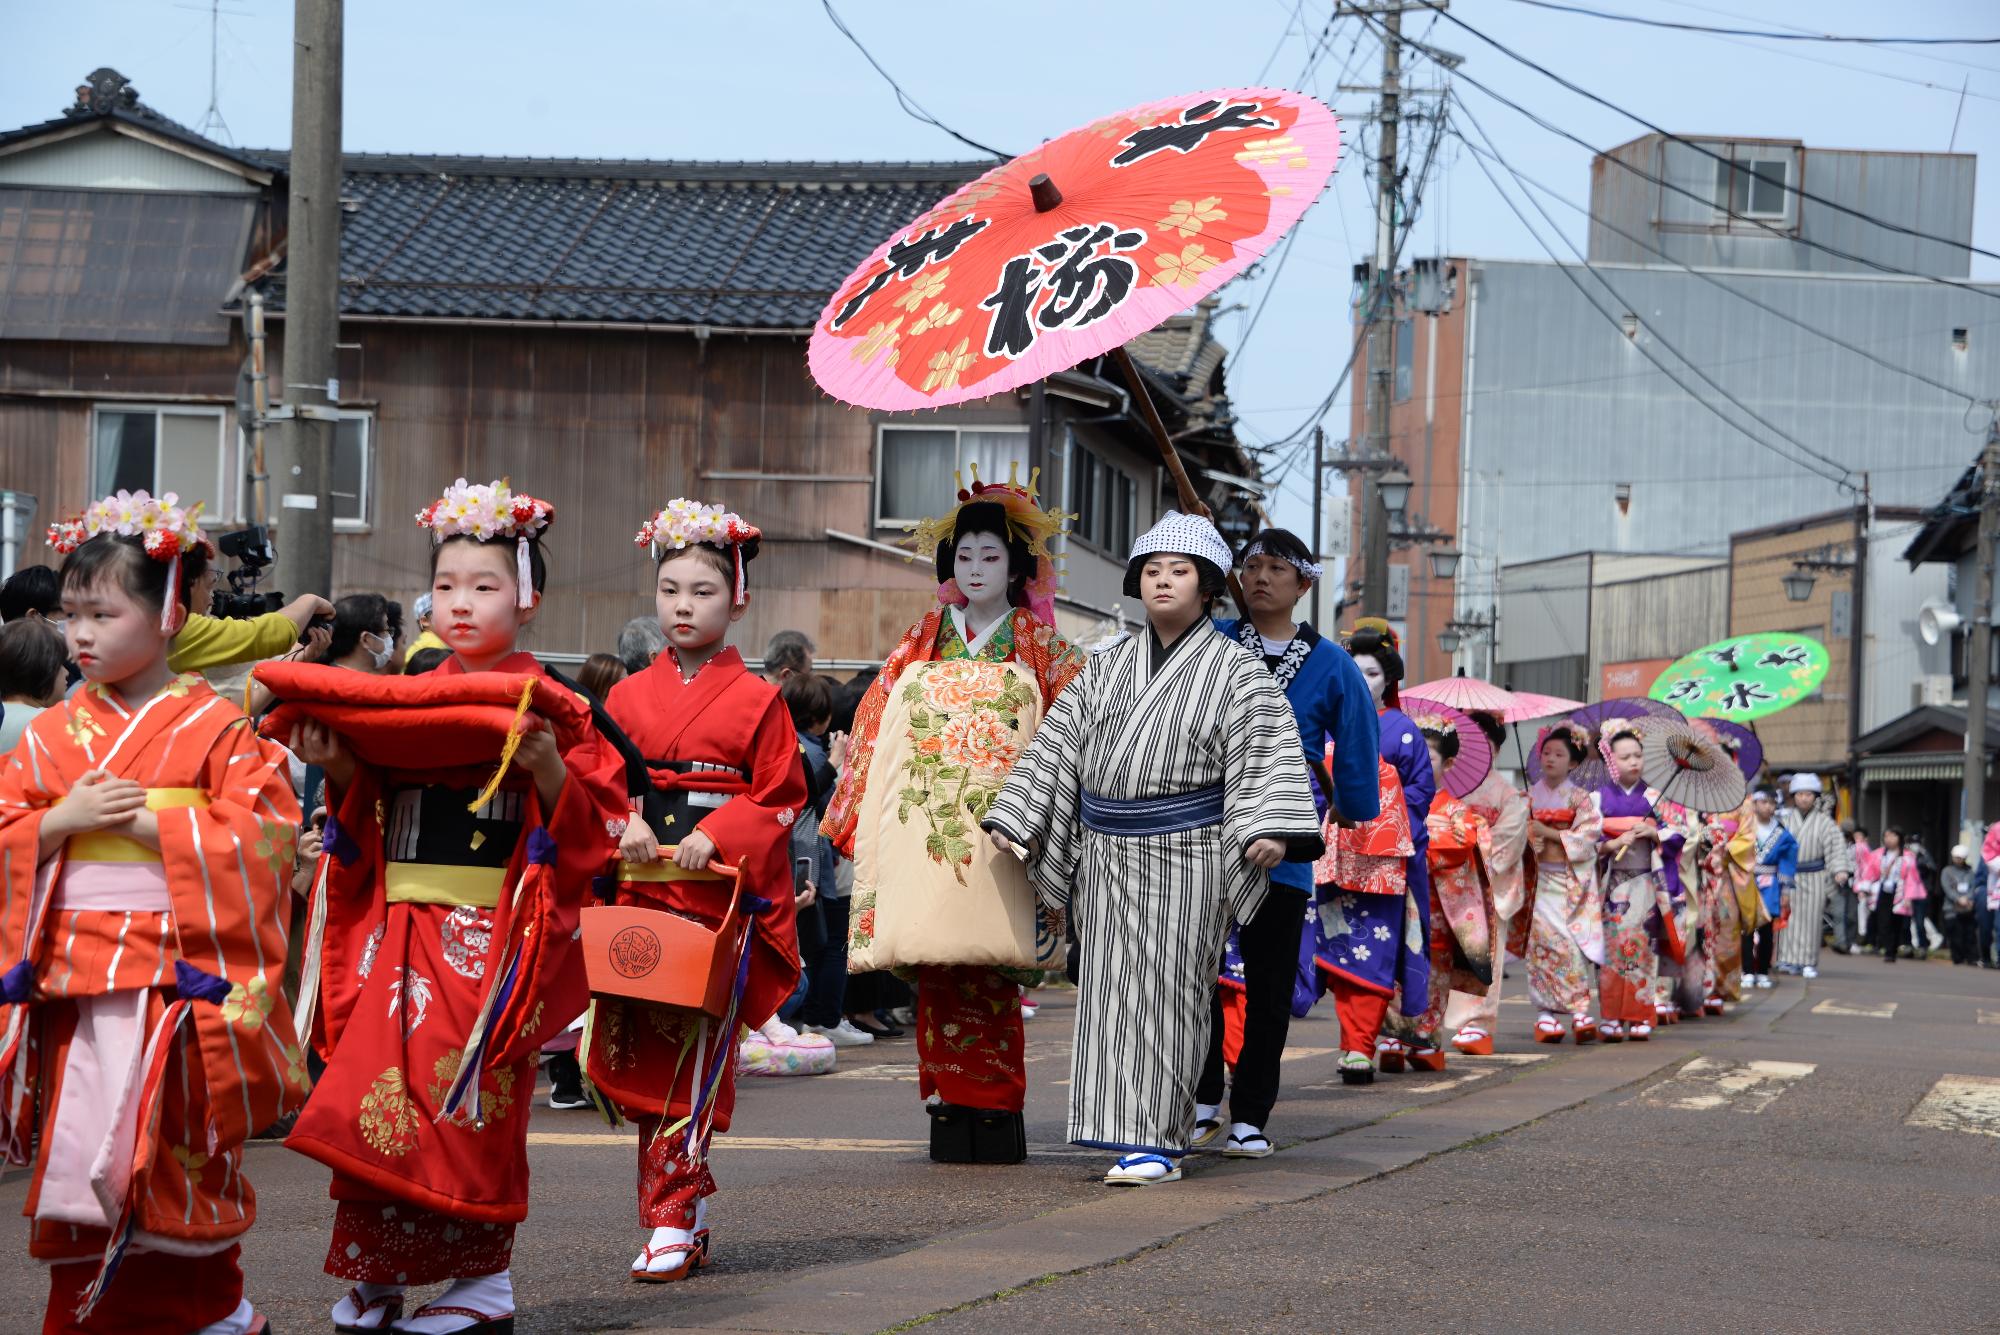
(251, 549)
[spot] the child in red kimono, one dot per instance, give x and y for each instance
(146, 841)
(725, 785)
(431, 1011)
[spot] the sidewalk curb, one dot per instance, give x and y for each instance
(970, 1269)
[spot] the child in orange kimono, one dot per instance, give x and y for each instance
(725, 784)
(450, 901)
(146, 840)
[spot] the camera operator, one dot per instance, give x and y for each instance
(209, 642)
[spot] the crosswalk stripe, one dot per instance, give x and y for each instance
(1968, 1103)
(1704, 1085)
(1867, 1010)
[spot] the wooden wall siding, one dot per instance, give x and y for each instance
(1814, 733)
(43, 448)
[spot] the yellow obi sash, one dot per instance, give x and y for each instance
(104, 846)
(442, 883)
(666, 869)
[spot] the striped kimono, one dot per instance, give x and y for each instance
(1137, 799)
(1824, 853)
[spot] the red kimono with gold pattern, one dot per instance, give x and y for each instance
(446, 930)
(146, 1032)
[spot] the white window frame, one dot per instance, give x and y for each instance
(366, 416)
(958, 430)
(215, 509)
(1082, 457)
(1746, 160)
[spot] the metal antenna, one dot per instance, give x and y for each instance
(212, 125)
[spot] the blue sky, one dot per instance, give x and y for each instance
(775, 80)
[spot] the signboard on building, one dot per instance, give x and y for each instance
(1399, 593)
(1634, 677)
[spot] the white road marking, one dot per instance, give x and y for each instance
(1968, 1103)
(1867, 1010)
(1989, 1017)
(883, 1071)
(1748, 1087)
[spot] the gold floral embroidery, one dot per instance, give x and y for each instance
(275, 849)
(1182, 270)
(940, 316)
(946, 367)
(1189, 216)
(83, 726)
(881, 334)
(191, 1161)
(295, 1063)
(388, 1118)
(249, 1004)
(496, 1092)
(534, 1020)
(965, 734)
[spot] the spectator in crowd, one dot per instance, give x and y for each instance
(640, 643)
(210, 642)
(32, 593)
(1986, 900)
(31, 676)
(424, 660)
(366, 627)
(1961, 929)
(1898, 897)
(847, 698)
(810, 700)
(599, 673)
(1927, 910)
(788, 654)
(426, 638)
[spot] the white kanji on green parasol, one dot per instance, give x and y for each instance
(1744, 677)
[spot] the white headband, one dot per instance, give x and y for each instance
(1307, 569)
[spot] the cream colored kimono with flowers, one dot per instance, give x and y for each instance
(929, 887)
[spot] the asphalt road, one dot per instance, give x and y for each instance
(1824, 1159)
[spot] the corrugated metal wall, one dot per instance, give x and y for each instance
(1563, 406)
(1660, 617)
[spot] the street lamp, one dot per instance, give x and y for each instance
(1444, 564)
(1449, 639)
(1394, 489)
(1799, 585)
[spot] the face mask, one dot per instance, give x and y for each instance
(380, 656)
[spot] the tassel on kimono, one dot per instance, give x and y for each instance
(465, 1085)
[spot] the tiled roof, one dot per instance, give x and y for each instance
(106, 95)
(754, 245)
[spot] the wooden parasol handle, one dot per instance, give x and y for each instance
(1191, 501)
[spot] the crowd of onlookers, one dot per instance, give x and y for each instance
(1953, 907)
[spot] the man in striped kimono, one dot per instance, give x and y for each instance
(1161, 790)
(1826, 859)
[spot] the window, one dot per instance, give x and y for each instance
(159, 449)
(1406, 359)
(917, 468)
(1753, 187)
(1105, 500)
(353, 470)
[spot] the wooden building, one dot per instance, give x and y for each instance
(608, 334)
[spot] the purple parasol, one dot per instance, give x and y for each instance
(1474, 760)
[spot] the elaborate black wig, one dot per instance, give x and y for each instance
(989, 517)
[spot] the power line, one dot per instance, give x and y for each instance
(1931, 56)
(1298, 12)
(903, 99)
(1738, 293)
(1762, 32)
(1813, 462)
(1706, 152)
(1708, 202)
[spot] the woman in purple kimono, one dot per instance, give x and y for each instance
(1381, 943)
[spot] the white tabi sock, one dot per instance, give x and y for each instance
(347, 1312)
(1242, 1131)
(1205, 1112)
(237, 1322)
(492, 1295)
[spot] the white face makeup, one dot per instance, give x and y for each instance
(1371, 672)
(979, 567)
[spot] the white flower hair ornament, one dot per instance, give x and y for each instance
(163, 526)
(485, 511)
(685, 523)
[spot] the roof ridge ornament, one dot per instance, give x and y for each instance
(103, 92)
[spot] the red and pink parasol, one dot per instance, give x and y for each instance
(1475, 754)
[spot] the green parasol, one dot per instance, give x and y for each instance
(1744, 677)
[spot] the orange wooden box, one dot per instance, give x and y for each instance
(661, 958)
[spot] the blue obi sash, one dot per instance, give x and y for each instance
(1140, 817)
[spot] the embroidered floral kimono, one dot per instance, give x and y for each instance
(1369, 859)
(721, 757)
(1464, 925)
(1729, 903)
(447, 931)
(1375, 928)
(933, 741)
(1566, 932)
(146, 1033)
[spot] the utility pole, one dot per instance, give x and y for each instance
(1382, 318)
(312, 298)
(1979, 648)
(1319, 528)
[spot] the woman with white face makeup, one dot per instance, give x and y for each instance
(933, 740)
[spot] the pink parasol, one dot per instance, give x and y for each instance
(1475, 754)
(1529, 705)
(1074, 248)
(1468, 694)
